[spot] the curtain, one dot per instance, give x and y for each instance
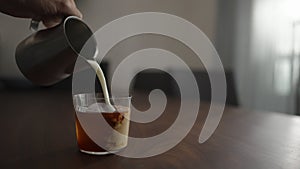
(267, 54)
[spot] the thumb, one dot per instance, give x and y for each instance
(70, 9)
(50, 22)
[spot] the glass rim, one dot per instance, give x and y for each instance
(96, 95)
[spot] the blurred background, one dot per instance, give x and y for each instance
(258, 42)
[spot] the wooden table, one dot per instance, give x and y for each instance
(38, 132)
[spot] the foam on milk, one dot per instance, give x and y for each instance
(98, 107)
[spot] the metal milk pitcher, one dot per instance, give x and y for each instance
(48, 56)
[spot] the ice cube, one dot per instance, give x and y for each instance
(122, 108)
(81, 109)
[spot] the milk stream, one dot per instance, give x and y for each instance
(101, 78)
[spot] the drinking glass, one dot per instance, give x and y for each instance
(100, 131)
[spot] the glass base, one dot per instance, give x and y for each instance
(99, 153)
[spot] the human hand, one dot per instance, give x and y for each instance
(50, 12)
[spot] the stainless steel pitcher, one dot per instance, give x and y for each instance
(48, 56)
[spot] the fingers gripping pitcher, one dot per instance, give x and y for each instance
(48, 56)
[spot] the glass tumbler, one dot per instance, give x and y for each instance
(99, 130)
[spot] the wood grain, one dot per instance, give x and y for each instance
(38, 131)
